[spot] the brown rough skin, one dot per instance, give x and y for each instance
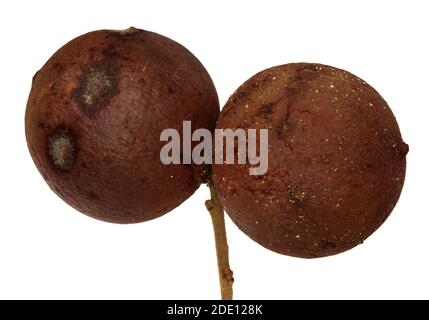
(94, 118)
(336, 160)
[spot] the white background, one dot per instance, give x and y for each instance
(48, 250)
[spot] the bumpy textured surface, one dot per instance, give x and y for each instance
(94, 118)
(336, 160)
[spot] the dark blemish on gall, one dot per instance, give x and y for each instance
(110, 52)
(92, 195)
(170, 90)
(327, 245)
(58, 66)
(283, 126)
(265, 110)
(40, 125)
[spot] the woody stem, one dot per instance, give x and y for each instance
(218, 219)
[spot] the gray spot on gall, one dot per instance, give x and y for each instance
(97, 84)
(61, 148)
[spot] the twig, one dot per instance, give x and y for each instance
(218, 219)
